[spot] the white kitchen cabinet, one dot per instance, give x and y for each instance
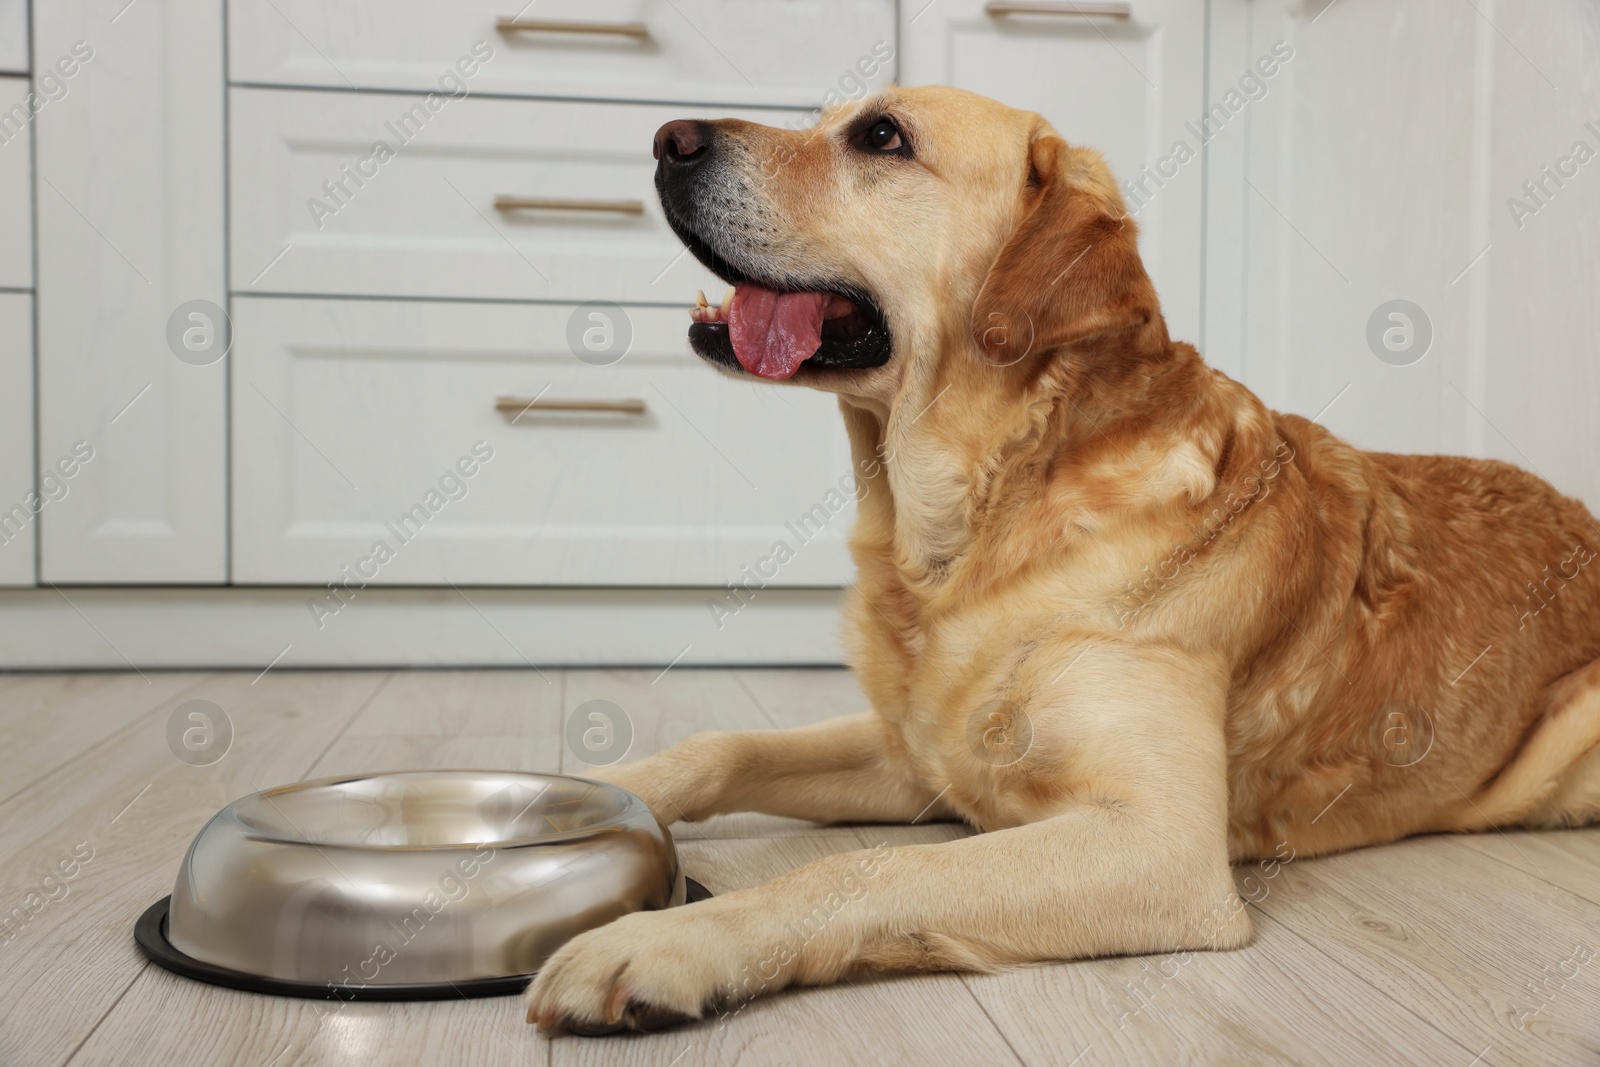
(775, 52)
(13, 37)
(1532, 372)
(1349, 203)
(1376, 160)
(315, 209)
(19, 504)
(130, 222)
(16, 188)
(350, 418)
(1384, 165)
(1133, 88)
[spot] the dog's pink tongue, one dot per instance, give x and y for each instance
(773, 333)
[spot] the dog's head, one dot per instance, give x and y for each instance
(919, 224)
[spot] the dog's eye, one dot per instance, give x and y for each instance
(884, 136)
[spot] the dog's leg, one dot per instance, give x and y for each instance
(850, 769)
(1555, 778)
(1132, 858)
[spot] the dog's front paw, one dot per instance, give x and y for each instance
(642, 972)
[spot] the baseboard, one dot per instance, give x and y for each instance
(213, 628)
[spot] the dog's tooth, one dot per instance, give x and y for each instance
(700, 298)
(727, 302)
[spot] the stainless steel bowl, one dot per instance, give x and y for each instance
(412, 881)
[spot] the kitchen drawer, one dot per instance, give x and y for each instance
(19, 521)
(14, 37)
(16, 199)
(349, 416)
(424, 222)
(780, 52)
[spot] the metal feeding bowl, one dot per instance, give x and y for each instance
(408, 886)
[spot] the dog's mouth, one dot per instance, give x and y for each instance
(770, 328)
(771, 332)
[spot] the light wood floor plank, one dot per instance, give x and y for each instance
(1567, 858)
(1455, 938)
(800, 697)
(473, 720)
(52, 718)
(661, 708)
(137, 807)
(165, 1019)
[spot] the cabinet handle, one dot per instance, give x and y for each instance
(997, 8)
(637, 30)
(542, 203)
(615, 407)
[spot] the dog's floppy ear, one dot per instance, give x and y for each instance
(1070, 270)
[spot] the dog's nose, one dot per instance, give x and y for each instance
(683, 142)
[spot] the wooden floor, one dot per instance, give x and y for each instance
(1458, 951)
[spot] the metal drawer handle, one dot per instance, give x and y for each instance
(545, 203)
(997, 8)
(637, 30)
(615, 407)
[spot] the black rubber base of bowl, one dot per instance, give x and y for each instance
(150, 933)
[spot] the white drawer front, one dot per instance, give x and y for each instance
(16, 200)
(424, 222)
(790, 52)
(350, 415)
(14, 36)
(19, 507)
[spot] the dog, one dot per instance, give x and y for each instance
(1110, 610)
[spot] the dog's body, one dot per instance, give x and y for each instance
(1109, 606)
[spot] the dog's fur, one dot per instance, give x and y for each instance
(1110, 608)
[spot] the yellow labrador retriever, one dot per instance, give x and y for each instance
(1110, 610)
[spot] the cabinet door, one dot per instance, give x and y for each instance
(1356, 189)
(368, 423)
(16, 198)
(14, 36)
(1133, 88)
(1392, 161)
(19, 504)
(130, 217)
